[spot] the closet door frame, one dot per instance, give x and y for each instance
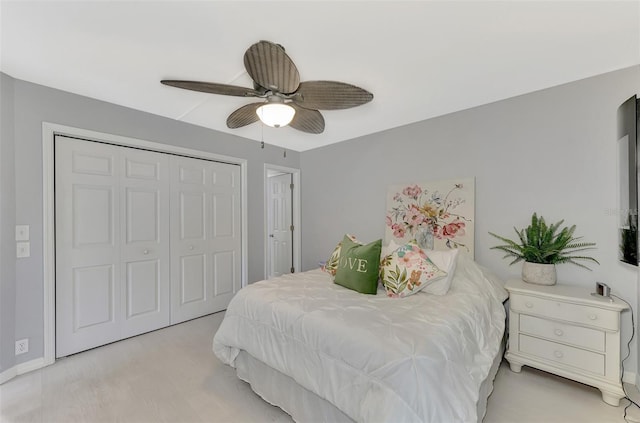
(49, 131)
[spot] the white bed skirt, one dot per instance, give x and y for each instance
(305, 406)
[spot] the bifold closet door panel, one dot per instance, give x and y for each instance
(205, 236)
(225, 234)
(144, 234)
(88, 284)
(112, 243)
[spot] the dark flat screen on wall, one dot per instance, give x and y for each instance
(627, 146)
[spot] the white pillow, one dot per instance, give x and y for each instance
(445, 260)
(388, 249)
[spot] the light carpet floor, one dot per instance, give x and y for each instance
(171, 375)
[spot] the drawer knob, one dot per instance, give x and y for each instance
(558, 354)
(528, 304)
(593, 317)
(145, 252)
(191, 247)
(558, 332)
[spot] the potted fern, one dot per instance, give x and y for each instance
(541, 247)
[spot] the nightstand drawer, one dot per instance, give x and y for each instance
(567, 356)
(556, 331)
(581, 314)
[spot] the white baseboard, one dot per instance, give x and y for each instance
(35, 364)
(8, 374)
(21, 368)
(630, 377)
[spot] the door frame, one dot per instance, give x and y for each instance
(295, 215)
(49, 131)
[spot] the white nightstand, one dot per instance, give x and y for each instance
(565, 330)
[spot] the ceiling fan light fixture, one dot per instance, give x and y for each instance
(276, 115)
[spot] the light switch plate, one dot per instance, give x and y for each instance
(23, 249)
(22, 232)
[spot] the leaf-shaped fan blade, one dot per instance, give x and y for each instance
(244, 116)
(330, 95)
(213, 88)
(307, 120)
(271, 68)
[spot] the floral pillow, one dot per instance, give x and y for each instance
(408, 270)
(331, 266)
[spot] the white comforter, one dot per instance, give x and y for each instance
(417, 359)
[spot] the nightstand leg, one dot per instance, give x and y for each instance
(611, 399)
(515, 367)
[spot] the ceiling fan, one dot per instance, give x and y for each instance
(287, 101)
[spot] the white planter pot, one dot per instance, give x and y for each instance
(540, 274)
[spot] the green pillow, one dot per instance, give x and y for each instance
(359, 265)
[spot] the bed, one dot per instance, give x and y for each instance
(322, 352)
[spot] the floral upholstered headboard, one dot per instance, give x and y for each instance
(441, 210)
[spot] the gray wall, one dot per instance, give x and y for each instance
(7, 219)
(552, 151)
(34, 104)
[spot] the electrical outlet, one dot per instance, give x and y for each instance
(22, 346)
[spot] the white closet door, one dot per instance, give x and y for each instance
(225, 236)
(112, 243)
(144, 229)
(88, 286)
(205, 236)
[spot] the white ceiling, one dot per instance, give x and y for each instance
(420, 59)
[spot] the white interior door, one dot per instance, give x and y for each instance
(87, 245)
(144, 234)
(225, 235)
(280, 252)
(111, 243)
(205, 236)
